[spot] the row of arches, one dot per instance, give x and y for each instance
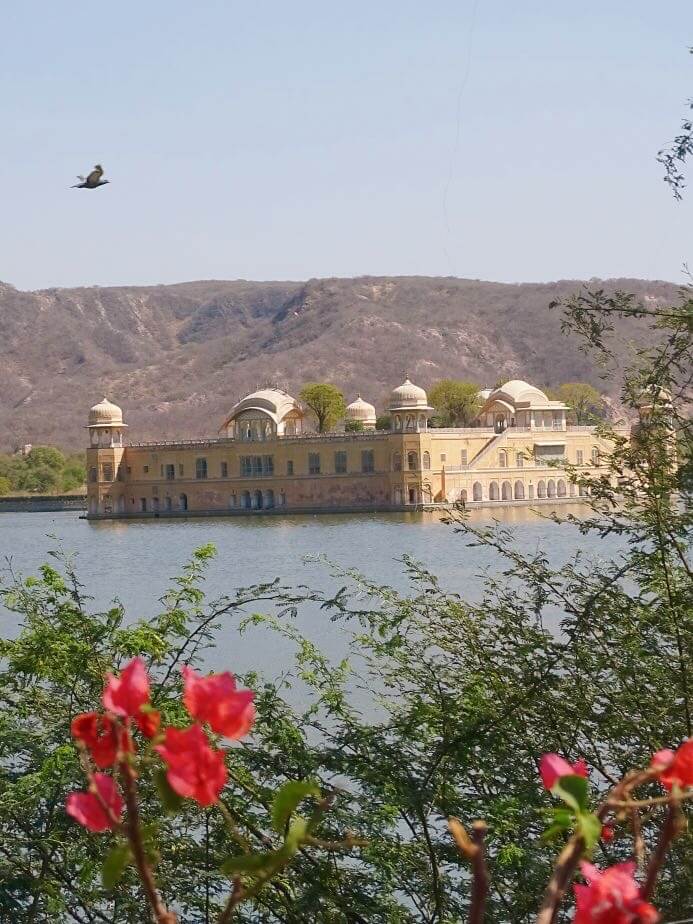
(507, 491)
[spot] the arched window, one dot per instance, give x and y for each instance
(503, 459)
(541, 489)
(561, 488)
(519, 491)
(426, 460)
(246, 500)
(493, 491)
(463, 495)
(551, 488)
(269, 499)
(93, 475)
(506, 491)
(412, 461)
(257, 500)
(183, 502)
(397, 462)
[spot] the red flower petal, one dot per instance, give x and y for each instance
(194, 769)
(87, 809)
(216, 701)
(126, 694)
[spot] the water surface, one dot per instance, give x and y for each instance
(134, 560)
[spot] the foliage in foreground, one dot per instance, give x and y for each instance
(442, 709)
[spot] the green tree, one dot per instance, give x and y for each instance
(584, 401)
(38, 479)
(353, 426)
(5, 485)
(326, 402)
(383, 422)
(47, 456)
(73, 475)
(456, 403)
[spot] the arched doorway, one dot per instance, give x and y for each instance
(551, 488)
(246, 502)
(561, 488)
(463, 495)
(519, 491)
(493, 491)
(506, 491)
(269, 499)
(183, 502)
(412, 496)
(541, 489)
(257, 500)
(477, 491)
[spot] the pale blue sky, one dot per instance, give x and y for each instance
(277, 140)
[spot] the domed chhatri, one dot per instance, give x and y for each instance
(106, 425)
(361, 411)
(409, 408)
(262, 415)
(517, 404)
(408, 395)
(105, 414)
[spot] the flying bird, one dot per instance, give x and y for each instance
(93, 180)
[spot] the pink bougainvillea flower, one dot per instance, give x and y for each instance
(195, 770)
(215, 700)
(552, 767)
(125, 695)
(148, 722)
(611, 896)
(87, 809)
(676, 766)
(100, 734)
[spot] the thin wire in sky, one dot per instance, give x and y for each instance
(458, 132)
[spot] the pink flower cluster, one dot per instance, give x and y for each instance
(613, 896)
(194, 768)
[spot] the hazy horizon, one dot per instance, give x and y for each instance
(477, 139)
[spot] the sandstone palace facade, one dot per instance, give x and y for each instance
(266, 459)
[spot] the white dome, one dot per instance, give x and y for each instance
(520, 392)
(408, 395)
(105, 414)
(360, 410)
(271, 401)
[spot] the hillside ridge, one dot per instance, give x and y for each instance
(177, 356)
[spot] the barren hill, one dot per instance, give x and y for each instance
(176, 357)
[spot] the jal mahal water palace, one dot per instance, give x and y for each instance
(267, 458)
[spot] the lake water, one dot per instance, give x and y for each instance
(133, 561)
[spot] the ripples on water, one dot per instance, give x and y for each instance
(134, 560)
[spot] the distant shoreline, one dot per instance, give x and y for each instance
(42, 503)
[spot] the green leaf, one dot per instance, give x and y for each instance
(296, 834)
(574, 790)
(590, 827)
(170, 800)
(249, 863)
(287, 799)
(115, 864)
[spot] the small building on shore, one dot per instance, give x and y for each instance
(266, 457)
